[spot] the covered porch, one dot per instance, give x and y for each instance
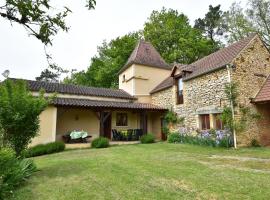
(99, 118)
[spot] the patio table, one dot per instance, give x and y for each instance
(78, 134)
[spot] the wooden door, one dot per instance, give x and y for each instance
(108, 127)
(163, 125)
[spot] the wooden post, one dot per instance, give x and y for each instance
(143, 122)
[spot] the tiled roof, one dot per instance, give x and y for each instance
(264, 94)
(105, 104)
(167, 83)
(218, 59)
(145, 54)
(76, 90)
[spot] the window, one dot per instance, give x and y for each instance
(219, 124)
(205, 122)
(121, 119)
(124, 78)
(180, 97)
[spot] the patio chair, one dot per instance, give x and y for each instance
(130, 135)
(116, 135)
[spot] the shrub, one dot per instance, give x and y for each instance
(19, 114)
(174, 138)
(43, 149)
(13, 171)
(148, 138)
(100, 142)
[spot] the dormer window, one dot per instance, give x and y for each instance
(179, 95)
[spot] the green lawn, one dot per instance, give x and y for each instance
(154, 171)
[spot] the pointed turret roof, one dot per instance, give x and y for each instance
(145, 54)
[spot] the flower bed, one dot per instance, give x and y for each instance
(214, 138)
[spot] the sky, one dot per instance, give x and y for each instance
(24, 56)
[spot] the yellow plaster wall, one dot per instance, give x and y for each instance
(141, 79)
(128, 83)
(47, 129)
(147, 78)
(133, 120)
(77, 119)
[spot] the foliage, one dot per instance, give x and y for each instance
(212, 25)
(38, 17)
(147, 139)
(255, 18)
(174, 38)
(238, 24)
(212, 138)
(43, 149)
(170, 33)
(104, 67)
(52, 73)
(100, 142)
(174, 138)
(246, 114)
(172, 117)
(259, 16)
(13, 172)
(19, 114)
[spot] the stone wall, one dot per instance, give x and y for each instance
(252, 68)
(202, 95)
(164, 98)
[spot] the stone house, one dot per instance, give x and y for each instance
(197, 91)
(148, 87)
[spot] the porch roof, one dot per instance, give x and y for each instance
(264, 93)
(105, 104)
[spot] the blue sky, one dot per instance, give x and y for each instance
(24, 55)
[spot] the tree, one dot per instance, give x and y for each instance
(259, 16)
(104, 67)
(53, 72)
(19, 114)
(255, 18)
(238, 24)
(174, 38)
(38, 17)
(212, 24)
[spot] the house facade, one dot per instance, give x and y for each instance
(197, 91)
(148, 87)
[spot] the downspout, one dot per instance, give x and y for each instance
(229, 67)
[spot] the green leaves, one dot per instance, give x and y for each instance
(104, 67)
(19, 114)
(174, 38)
(38, 17)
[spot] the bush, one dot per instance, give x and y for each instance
(19, 114)
(100, 142)
(13, 171)
(148, 138)
(43, 149)
(174, 138)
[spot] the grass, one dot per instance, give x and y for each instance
(152, 171)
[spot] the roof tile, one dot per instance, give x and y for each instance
(145, 54)
(105, 104)
(264, 93)
(77, 90)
